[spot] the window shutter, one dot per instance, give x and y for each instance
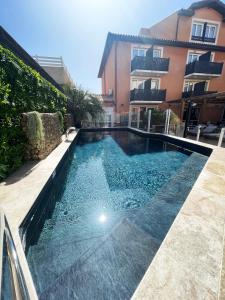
(147, 84)
(205, 57)
(149, 52)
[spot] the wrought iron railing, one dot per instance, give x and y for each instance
(204, 67)
(202, 38)
(147, 95)
(148, 63)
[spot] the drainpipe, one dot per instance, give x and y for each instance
(177, 27)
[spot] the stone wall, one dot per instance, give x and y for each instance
(51, 138)
(68, 121)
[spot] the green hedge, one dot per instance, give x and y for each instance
(22, 89)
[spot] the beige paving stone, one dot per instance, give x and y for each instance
(205, 204)
(222, 278)
(196, 245)
(168, 279)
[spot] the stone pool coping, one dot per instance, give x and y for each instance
(188, 264)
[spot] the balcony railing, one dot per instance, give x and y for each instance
(203, 39)
(147, 95)
(204, 67)
(196, 93)
(150, 64)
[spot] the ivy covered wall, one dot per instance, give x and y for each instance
(22, 89)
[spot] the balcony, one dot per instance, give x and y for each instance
(149, 66)
(147, 95)
(196, 93)
(203, 39)
(203, 70)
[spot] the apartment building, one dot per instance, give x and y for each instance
(177, 60)
(56, 68)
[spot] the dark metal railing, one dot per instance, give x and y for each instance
(196, 93)
(202, 38)
(204, 67)
(149, 63)
(147, 95)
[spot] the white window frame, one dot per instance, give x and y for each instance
(211, 22)
(142, 79)
(194, 82)
(197, 24)
(139, 49)
(145, 48)
(199, 53)
(212, 25)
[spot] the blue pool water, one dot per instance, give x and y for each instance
(108, 213)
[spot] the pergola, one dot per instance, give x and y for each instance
(212, 104)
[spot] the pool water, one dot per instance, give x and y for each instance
(108, 213)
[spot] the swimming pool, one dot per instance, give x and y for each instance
(107, 213)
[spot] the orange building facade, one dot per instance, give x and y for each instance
(168, 64)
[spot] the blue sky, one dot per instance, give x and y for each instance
(76, 30)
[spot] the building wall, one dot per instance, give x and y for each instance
(108, 78)
(59, 75)
(117, 75)
(167, 28)
(123, 77)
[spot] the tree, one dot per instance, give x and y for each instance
(85, 106)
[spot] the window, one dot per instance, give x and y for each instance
(154, 84)
(193, 56)
(203, 31)
(138, 52)
(189, 86)
(140, 84)
(197, 29)
(157, 52)
(210, 31)
(137, 84)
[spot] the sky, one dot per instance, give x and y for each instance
(77, 29)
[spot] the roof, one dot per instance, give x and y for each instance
(8, 42)
(217, 5)
(138, 39)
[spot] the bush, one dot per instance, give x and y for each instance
(61, 121)
(158, 117)
(85, 107)
(22, 89)
(35, 130)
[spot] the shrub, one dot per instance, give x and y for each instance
(61, 120)
(35, 130)
(158, 117)
(22, 89)
(85, 106)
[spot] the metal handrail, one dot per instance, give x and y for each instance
(17, 282)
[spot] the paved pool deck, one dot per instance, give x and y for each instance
(190, 263)
(18, 194)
